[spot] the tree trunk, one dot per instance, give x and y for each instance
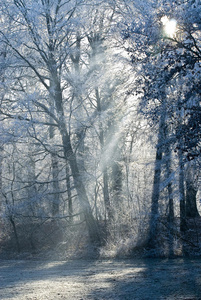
(80, 157)
(15, 234)
(71, 158)
(32, 201)
(56, 195)
(170, 205)
(106, 196)
(70, 202)
(117, 183)
(84, 202)
(117, 191)
(153, 225)
(191, 192)
(170, 195)
(191, 206)
(182, 194)
(55, 170)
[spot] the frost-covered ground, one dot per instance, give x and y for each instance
(107, 279)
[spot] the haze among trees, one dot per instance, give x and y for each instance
(100, 126)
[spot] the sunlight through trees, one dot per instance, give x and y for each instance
(100, 126)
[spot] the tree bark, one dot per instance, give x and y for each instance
(117, 182)
(55, 169)
(170, 217)
(71, 158)
(82, 196)
(182, 194)
(191, 192)
(15, 234)
(170, 205)
(70, 202)
(55, 184)
(153, 224)
(32, 181)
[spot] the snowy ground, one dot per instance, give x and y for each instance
(121, 279)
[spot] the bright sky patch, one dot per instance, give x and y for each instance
(170, 26)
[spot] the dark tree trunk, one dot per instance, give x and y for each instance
(153, 224)
(70, 202)
(117, 182)
(191, 206)
(171, 208)
(82, 196)
(56, 196)
(117, 192)
(191, 191)
(55, 170)
(106, 196)
(15, 234)
(182, 194)
(170, 218)
(32, 191)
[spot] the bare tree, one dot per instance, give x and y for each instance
(44, 52)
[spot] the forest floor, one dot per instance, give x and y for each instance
(100, 279)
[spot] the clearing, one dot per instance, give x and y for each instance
(101, 279)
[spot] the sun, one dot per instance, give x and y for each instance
(170, 26)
